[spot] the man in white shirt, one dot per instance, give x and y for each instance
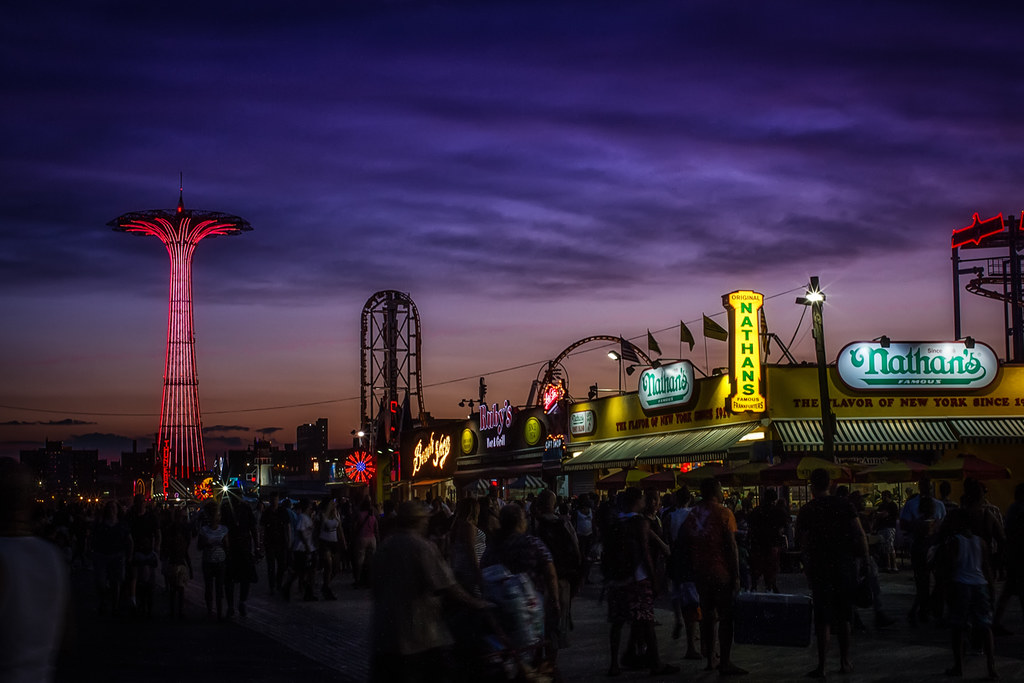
(33, 586)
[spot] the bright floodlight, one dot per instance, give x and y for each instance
(815, 297)
(614, 355)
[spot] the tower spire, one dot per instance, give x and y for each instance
(181, 192)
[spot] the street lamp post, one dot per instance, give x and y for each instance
(815, 298)
(617, 357)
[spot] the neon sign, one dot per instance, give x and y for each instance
(552, 394)
(917, 365)
(435, 452)
(495, 418)
(978, 230)
(745, 350)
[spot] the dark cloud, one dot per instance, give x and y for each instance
(436, 145)
(216, 444)
(489, 155)
(225, 428)
(59, 423)
(109, 445)
(268, 431)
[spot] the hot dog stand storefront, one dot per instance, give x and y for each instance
(926, 403)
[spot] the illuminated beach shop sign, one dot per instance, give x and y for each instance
(431, 453)
(745, 373)
(668, 385)
(942, 366)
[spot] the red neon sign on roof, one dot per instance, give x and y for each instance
(978, 230)
(552, 394)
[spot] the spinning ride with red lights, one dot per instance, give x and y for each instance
(360, 467)
(179, 439)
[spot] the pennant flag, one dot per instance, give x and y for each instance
(652, 343)
(684, 335)
(713, 330)
(627, 352)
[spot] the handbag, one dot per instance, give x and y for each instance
(862, 596)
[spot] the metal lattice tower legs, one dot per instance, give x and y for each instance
(390, 357)
(180, 436)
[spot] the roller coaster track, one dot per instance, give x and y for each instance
(548, 375)
(980, 285)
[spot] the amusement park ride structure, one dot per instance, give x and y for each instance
(390, 372)
(180, 438)
(999, 278)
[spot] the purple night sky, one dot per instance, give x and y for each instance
(531, 173)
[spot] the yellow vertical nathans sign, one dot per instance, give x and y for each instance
(745, 370)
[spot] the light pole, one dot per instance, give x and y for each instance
(617, 357)
(814, 298)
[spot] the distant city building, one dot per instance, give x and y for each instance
(139, 470)
(311, 447)
(261, 464)
(62, 471)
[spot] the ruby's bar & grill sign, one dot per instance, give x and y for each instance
(940, 366)
(745, 350)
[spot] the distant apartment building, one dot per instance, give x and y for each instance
(311, 447)
(62, 471)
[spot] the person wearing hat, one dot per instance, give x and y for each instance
(409, 639)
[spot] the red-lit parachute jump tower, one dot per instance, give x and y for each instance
(180, 439)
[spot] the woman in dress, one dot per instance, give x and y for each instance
(213, 541)
(467, 543)
(332, 545)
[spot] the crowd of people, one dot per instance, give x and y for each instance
(485, 586)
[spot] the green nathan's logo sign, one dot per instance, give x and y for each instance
(917, 366)
(667, 385)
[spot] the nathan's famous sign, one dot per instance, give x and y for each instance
(744, 309)
(667, 385)
(917, 366)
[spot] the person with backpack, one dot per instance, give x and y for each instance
(560, 538)
(711, 532)
(411, 588)
(831, 539)
(920, 517)
(629, 573)
(513, 556)
(767, 534)
(968, 558)
(1014, 560)
(685, 599)
(586, 533)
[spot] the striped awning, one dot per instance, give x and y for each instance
(990, 430)
(868, 435)
(695, 445)
(616, 453)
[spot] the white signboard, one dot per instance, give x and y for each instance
(581, 423)
(668, 385)
(942, 366)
